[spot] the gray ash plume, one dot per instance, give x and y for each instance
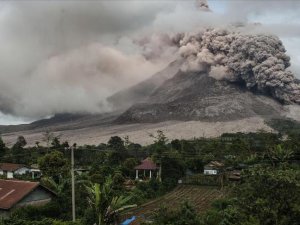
(257, 61)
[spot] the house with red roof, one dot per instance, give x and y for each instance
(11, 169)
(18, 193)
(147, 166)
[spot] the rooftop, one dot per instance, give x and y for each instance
(147, 164)
(215, 164)
(11, 167)
(13, 191)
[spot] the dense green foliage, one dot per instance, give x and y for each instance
(54, 165)
(266, 196)
(285, 126)
(268, 192)
(185, 215)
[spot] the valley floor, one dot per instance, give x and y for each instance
(140, 133)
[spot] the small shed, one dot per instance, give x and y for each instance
(147, 165)
(17, 193)
(11, 169)
(35, 171)
(234, 175)
(213, 168)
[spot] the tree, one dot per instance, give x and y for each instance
(107, 207)
(176, 144)
(54, 165)
(21, 141)
(62, 188)
(50, 138)
(116, 143)
(47, 137)
(59, 187)
(134, 149)
(266, 196)
(128, 166)
(117, 157)
(172, 170)
(279, 155)
(65, 144)
(55, 143)
(17, 150)
(126, 141)
(160, 138)
(2, 147)
(160, 144)
(270, 195)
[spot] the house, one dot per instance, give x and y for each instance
(147, 165)
(17, 193)
(213, 168)
(35, 171)
(81, 171)
(11, 169)
(234, 175)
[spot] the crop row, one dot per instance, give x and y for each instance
(199, 196)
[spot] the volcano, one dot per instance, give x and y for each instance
(183, 104)
(197, 96)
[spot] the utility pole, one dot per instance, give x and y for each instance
(159, 172)
(73, 183)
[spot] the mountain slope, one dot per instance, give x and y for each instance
(196, 96)
(141, 91)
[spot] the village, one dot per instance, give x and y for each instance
(164, 174)
(20, 184)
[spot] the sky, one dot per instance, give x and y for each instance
(69, 56)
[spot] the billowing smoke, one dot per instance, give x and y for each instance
(202, 5)
(49, 64)
(158, 46)
(257, 61)
(77, 81)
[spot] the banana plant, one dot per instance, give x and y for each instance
(106, 206)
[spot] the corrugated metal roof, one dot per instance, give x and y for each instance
(11, 167)
(147, 164)
(12, 191)
(214, 164)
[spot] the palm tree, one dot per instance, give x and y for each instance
(117, 205)
(57, 187)
(107, 207)
(95, 200)
(278, 154)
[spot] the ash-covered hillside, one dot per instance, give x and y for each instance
(223, 76)
(196, 96)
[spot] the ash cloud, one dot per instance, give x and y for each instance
(202, 5)
(49, 50)
(257, 61)
(77, 81)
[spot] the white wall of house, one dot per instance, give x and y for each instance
(10, 175)
(22, 171)
(210, 172)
